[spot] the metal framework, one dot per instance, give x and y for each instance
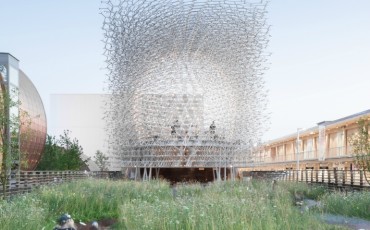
(186, 81)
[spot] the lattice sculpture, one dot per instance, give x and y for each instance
(186, 81)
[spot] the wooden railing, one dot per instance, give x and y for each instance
(25, 181)
(338, 178)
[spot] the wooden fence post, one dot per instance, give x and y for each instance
(306, 172)
(344, 174)
(301, 175)
(322, 176)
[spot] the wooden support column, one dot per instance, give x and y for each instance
(327, 146)
(284, 153)
(344, 141)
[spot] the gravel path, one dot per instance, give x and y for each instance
(350, 222)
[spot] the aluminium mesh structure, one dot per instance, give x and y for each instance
(186, 81)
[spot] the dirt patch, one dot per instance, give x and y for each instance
(103, 225)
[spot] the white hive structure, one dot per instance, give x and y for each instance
(186, 81)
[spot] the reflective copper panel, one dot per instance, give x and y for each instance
(33, 123)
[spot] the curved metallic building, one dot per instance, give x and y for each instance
(33, 123)
(186, 81)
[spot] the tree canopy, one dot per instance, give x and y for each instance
(62, 154)
(101, 160)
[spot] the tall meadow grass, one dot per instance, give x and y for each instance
(355, 204)
(219, 206)
(151, 205)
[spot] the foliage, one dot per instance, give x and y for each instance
(151, 205)
(61, 154)
(101, 160)
(10, 122)
(361, 146)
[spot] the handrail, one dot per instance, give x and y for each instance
(25, 181)
(338, 178)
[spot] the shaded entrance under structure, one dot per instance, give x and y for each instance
(202, 175)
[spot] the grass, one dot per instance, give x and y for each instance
(151, 205)
(315, 192)
(354, 204)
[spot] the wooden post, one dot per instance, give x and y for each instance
(301, 175)
(344, 174)
(306, 172)
(322, 176)
(361, 178)
(335, 177)
(329, 176)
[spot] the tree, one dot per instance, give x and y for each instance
(101, 160)
(361, 146)
(62, 154)
(9, 132)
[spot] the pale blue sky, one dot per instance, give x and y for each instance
(320, 63)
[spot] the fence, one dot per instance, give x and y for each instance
(335, 178)
(25, 181)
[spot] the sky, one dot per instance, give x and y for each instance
(319, 67)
